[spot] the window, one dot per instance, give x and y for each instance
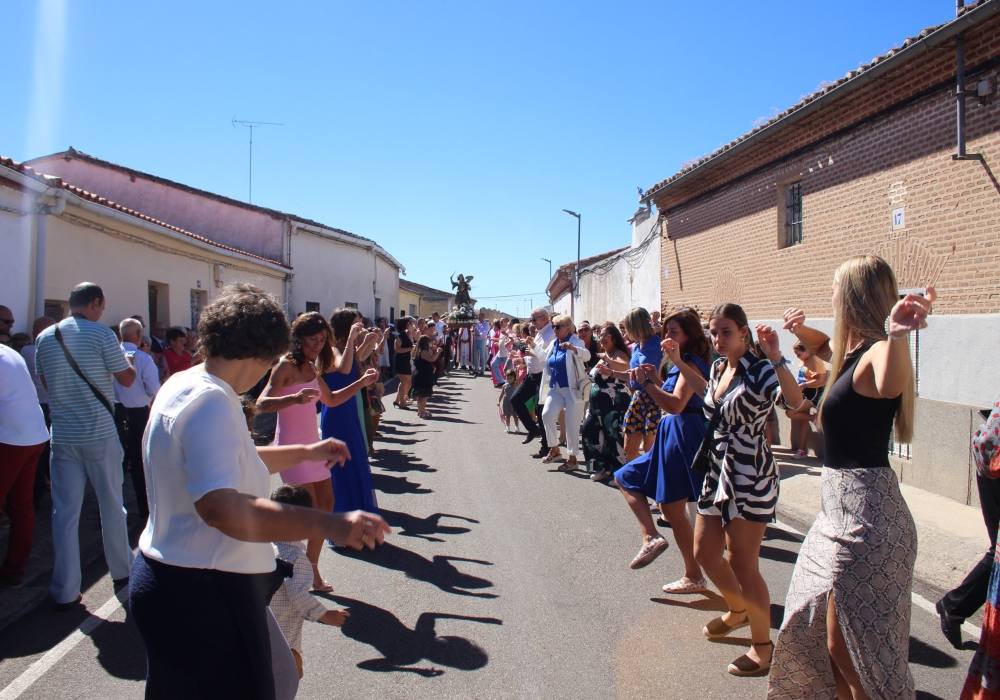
(392, 313)
(312, 306)
(413, 310)
(791, 218)
(199, 299)
(378, 307)
(350, 304)
(56, 309)
(159, 305)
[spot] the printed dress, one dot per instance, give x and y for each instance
(742, 481)
(603, 448)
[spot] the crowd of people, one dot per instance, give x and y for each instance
(679, 408)
(676, 408)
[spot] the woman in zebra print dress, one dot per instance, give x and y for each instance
(740, 490)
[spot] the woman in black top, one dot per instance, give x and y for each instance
(404, 354)
(847, 614)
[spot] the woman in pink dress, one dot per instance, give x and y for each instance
(292, 391)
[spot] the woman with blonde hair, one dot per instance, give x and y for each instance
(847, 615)
(643, 414)
(561, 390)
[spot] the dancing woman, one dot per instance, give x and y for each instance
(352, 485)
(403, 345)
(564, 358)
(664, 473)
(643, 414)
(609, 398)
(292, 391)
(847, 615)
(740, 490)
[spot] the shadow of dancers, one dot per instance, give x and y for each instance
(411, 526)
(397, 485)
(438, 571)
(402, 647)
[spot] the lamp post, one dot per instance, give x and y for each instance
(550, 266)
(576, 271)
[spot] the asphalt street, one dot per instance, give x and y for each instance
(503, 578)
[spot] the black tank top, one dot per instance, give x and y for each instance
(856, 428)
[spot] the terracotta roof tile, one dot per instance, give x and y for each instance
(52, 181)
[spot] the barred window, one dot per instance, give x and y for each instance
(792, 214)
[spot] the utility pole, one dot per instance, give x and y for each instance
(250, 125)
(576, 271)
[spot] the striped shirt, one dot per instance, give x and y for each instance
(77, 416)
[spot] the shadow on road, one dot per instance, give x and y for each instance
(708, 602)
(398, 461)
(778, 554)
(438, 571)
(926, 655)
(397, 485)
(411, 526)
(402, 647)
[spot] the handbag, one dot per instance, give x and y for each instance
(703, 460)
(583, 381)
(76, 368)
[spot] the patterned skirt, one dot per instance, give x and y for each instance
(861, 548)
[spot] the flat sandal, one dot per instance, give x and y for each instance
(717, 628)
(745, 667)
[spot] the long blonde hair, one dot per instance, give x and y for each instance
(639, 325)
(866, 292)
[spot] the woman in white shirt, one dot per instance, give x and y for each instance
(199, 588)
(561, 390)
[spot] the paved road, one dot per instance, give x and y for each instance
(503, 579)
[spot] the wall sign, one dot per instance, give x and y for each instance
(899, 218)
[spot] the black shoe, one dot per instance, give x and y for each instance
(71, 605)
(532, 434)
(951, 627)
(543, 452)
(119, 583)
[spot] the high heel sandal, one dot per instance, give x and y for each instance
(717, 627)
(745, 667)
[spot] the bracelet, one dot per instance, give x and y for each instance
(780, 362)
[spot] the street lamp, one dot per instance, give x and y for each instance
(550, 267)
(576, 272)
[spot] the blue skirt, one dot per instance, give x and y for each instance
(352, 483)
(664, 473)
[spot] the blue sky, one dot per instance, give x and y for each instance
(453, 133)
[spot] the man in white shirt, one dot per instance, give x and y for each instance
(132, 406)
(439, 325)
(23, 436)
(28, 353)
(544, 334)
(480, 359)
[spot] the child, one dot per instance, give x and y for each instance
(292, 604)
(506, 407)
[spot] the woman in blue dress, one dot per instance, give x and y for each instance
(352, 483)
(664, 473)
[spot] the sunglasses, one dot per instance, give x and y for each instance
(8, 321)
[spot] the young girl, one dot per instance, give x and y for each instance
(424, 375)
(506, 407)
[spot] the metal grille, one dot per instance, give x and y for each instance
(902, 449)
(793, 214)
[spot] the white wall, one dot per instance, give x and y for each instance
(333, 273)
(125, 261)
(16, 263)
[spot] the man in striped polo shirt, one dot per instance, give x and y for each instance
(85, 444)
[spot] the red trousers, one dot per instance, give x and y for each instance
(17, 485)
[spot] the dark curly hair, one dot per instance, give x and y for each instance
(306, 325)
(244, 322)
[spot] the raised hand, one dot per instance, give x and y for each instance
(306, 396)
(568, 346)
(603, 369)
(910, 313)
(768, 340)
(355, 330)
(671, 349)
(359, 529)
(331, 451)
(794, 318)
(370, 376)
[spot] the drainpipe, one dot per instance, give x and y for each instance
(960, 87)
(40, 223)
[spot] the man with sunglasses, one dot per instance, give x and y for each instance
(544, 334)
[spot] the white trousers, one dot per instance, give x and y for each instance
(559, 399)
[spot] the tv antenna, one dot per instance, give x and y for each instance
(250, 125)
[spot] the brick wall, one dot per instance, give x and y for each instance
(723, 244)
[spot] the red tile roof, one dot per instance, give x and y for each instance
(824, 90)
(98, 199)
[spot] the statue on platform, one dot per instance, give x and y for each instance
(462, 287)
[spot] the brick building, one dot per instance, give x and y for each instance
(867, 164)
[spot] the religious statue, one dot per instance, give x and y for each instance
(462, 296)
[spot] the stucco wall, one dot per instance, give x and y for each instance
(242, 227)
(123, 259)
(16, 263)
(334, 273)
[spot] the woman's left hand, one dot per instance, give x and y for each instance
(331, 451)
(768, 339)
(568, 346)
(910, 313)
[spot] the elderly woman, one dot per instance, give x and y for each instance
(561, 390)
(200, 586)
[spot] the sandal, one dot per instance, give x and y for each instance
(550, 458)
(745, 667)
(570, 465)
(685, 585)
(650, 550)
(717, 628)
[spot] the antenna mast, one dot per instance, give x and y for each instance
(250, 125)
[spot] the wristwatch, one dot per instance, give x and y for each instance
(780, 362)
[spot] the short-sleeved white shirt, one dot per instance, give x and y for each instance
(196, 442)
(21, 419)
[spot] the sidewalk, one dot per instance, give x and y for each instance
(951, 537)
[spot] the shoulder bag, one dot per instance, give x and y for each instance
(76, 368)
